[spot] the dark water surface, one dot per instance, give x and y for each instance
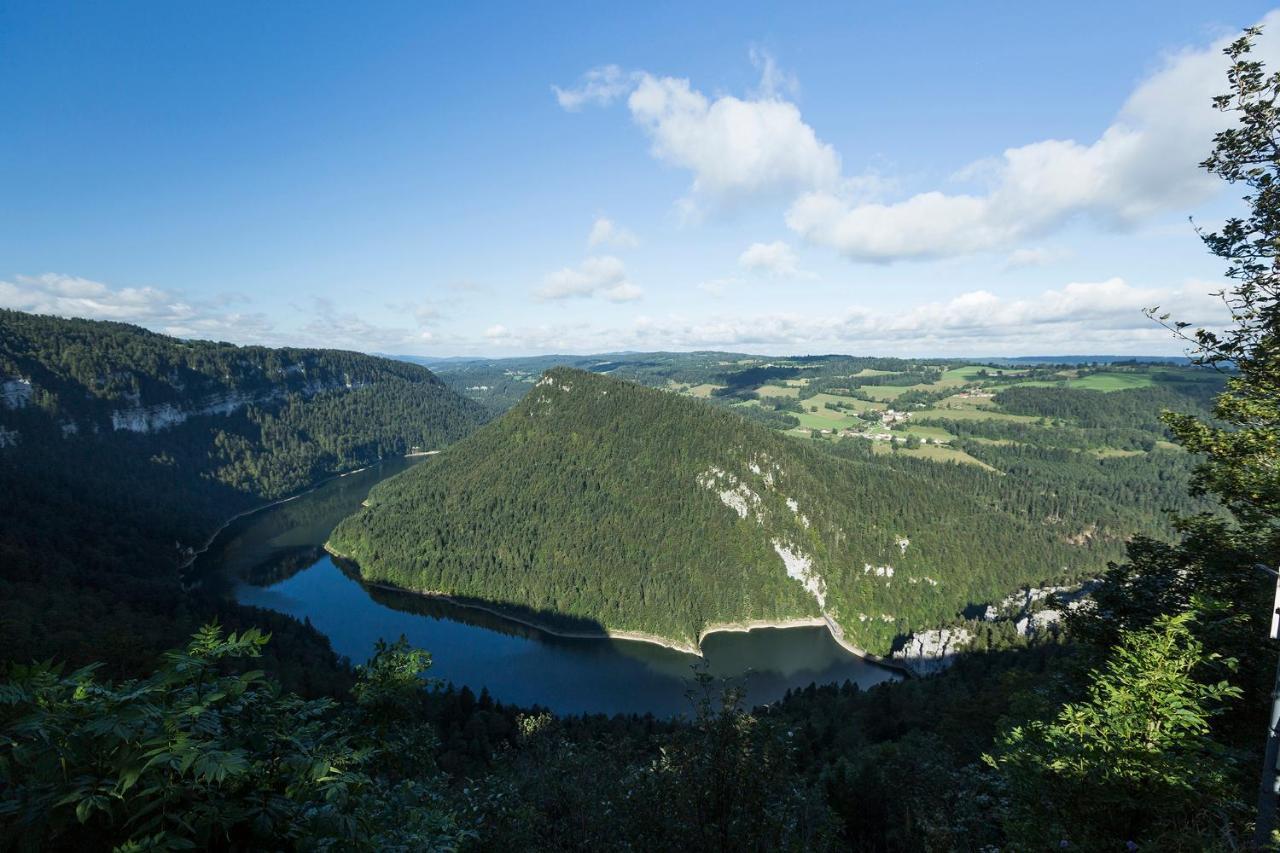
(273, 559)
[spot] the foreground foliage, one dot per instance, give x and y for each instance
(1134, 759)
(201, 755)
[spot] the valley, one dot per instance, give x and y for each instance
(476, 428)
(273, 560)
(611, 529)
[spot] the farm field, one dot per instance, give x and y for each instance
(971, 394)
(973, 414)
(828, 419)
(1112, 381)
(932, 452)
(854, 403)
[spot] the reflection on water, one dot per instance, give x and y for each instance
(273, 559)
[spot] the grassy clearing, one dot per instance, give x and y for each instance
(955, 401)
(827, 419)
(934, 453)
(778, 390)
(867, 371)
(1112, 381)
(888, 393)
(1114, 452)
(972, 413)
(966, 374)
(703, 391)
(852, 402)
(921, 431)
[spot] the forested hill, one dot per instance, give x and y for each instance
(122, 449)
(597, 502)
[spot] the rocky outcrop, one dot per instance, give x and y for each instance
(15, 392)
(932, 651)
(165, 415)
(1028, 607)
(1029, 610)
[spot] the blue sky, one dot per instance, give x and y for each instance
(928, 179)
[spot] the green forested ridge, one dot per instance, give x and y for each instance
(102, 501)
(600, 502)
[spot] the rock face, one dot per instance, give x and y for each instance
(1024, 601)
(15, 392)
(153, 418)
(928, 652)
(932, 651)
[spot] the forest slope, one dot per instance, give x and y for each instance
(599, 502)
(122, 449)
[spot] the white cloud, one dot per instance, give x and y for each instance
(776, 258)
(603, 275)
(606, 232)
(599, 86)
(1143, 164)
(321, 322)
(160, 310)
(736, 148)
(773, 80)
(1078, 318)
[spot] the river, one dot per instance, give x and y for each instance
(273, 559)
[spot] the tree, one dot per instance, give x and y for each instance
(1242, 454)
(1135, 761)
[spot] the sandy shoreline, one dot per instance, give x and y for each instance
(641, 637)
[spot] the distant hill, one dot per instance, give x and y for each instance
(596, 502)
(122, 449)
(1090, 359)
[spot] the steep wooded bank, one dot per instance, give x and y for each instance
(122, 449)
(597, 502)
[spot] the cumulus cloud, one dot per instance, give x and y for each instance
(599, 87)
(1144, 163)
(606, 232)
(161, 310)
(1081, 317)
(736, 148)
(776, 259)
(599, 275)
(320, 323)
